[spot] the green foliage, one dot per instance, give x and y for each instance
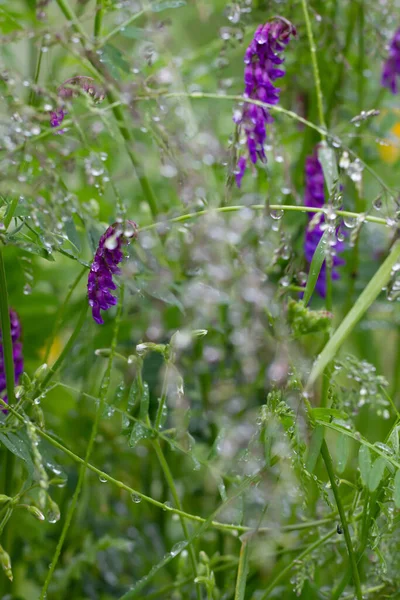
(213, 439)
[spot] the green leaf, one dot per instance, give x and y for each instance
(327, 158)
(376, 473)
(362, 304)
(315, 267)
(343, 446)
(139, 432)
(19, 446)
(396, 495)
(326, 414)
(364, 461)
(314, 448)
(72, 234)
(114, 59)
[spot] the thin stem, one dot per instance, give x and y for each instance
(273, 207)
(6, 340)
(283, 572)
(159, 414)
(278, 109)
(71, 16)
(98, 20)
(314, 61)
(353, 560)
(102, 396)
(123, 25)
(243, 568)
(165, 507)
(171, 484)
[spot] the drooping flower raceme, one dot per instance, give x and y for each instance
(314, 197)
(391, 67)
(17, 353)
(261, 60)
(69, 89)
(105, 264)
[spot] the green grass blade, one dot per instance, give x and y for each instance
(315, 268)
(365, 300)
(243, 569)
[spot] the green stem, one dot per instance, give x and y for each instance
(71, 16)
(98, 20)
(314, 61)
(171, 484)
(6, 333)
(352, 557)
(195, 518)
(272, 207)
(159, 414)
(283, 572)
(123, 25)
(100, 407)
(243, 569)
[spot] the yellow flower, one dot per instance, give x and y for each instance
(390, 151)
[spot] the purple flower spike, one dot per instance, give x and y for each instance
(391, 67)
(314, 197)
(17, 353)
(261, 60)
(105, 264)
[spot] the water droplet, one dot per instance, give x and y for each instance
(135, 498)
(178, 547)
(276, 214)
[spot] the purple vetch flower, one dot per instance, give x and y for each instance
(105, 264)
(391, 67)
(70, 89)
(17, 353)
(314, 197)
(261, 60)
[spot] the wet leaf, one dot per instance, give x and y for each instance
(364, 461)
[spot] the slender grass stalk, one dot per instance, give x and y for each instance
(102, 397)
(273, 207)
(364, 301)
(243, 569)
(352, 557)
(314, 60)
(171, 484)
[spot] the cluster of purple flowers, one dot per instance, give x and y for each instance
(105, 264)
(17, 352)
(314, 197)
(261, 60)
(68, 90)
(391, 67)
